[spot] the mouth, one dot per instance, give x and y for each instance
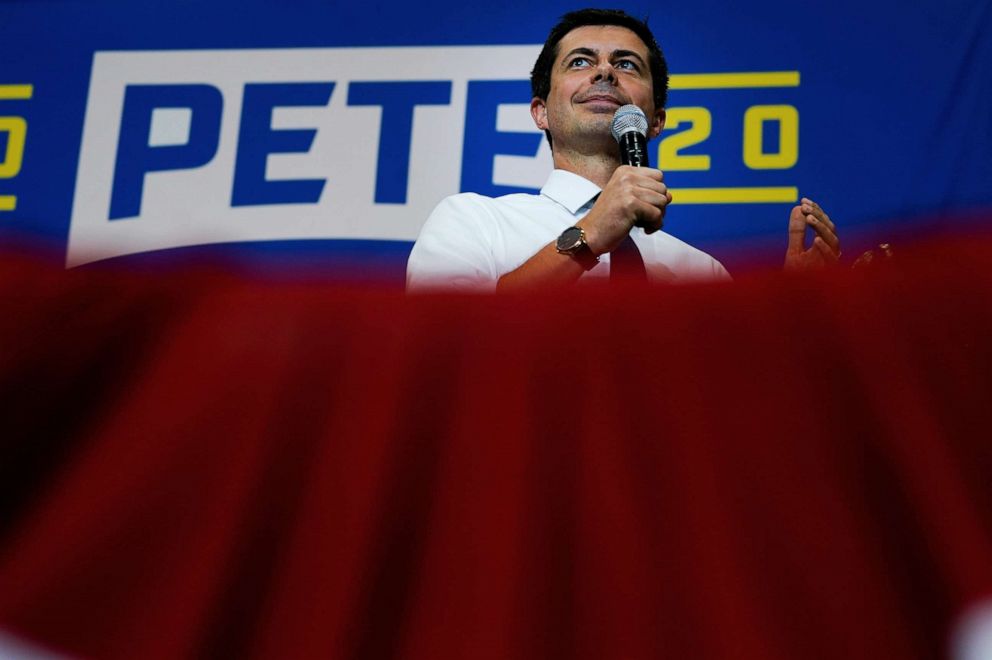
(602, 98)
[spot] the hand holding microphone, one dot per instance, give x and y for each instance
(635, 195)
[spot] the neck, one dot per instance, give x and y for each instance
(596, 167)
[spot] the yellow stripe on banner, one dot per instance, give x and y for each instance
(11, 92)
(734, 80)
(734, 195)
(8, 202)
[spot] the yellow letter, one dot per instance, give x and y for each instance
(788, 137)
(669, 158)
(16, 129)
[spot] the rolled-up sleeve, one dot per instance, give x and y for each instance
(454, 249)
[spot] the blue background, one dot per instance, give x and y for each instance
(895, 104)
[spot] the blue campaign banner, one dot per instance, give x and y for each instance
(321, 134)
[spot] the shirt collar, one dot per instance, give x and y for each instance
(570, 190)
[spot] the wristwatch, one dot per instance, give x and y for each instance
(573, 243)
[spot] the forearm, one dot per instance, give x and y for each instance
(547, 267)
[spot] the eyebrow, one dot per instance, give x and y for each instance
(615, 55)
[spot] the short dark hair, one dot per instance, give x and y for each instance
(540, 77)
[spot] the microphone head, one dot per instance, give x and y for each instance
(629, 118)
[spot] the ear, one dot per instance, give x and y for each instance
(657, 124)
(539, 111)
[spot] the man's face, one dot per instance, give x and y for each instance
(598, 68)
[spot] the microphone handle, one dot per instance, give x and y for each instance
(634, 149)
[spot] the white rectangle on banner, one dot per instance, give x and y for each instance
(141, 188)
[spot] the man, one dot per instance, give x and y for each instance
(593, 214)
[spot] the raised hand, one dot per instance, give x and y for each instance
(825, 249)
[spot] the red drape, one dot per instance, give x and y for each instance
(785, 467)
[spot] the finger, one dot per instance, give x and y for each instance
(797, 230)
(809, 206)
(647, 183)
(650, 217)
(821, 216)
(825, 250)
(653, 197)
(812, 203)
(639, 172)
(650, 184)
(824, 232)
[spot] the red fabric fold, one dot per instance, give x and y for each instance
(203, 464)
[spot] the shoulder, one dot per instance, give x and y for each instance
(467, 200)
(474, 213)
(474, 203)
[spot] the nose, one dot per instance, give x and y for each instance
(605, 71)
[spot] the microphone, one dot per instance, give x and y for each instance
(630, 128)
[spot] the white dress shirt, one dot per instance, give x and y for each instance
(470, 241)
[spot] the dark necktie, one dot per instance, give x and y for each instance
(626, 263)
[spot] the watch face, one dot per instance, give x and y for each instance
(570, 239)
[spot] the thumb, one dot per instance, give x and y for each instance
(797, 230)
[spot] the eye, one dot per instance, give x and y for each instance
(579, 61)
(630, 65)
